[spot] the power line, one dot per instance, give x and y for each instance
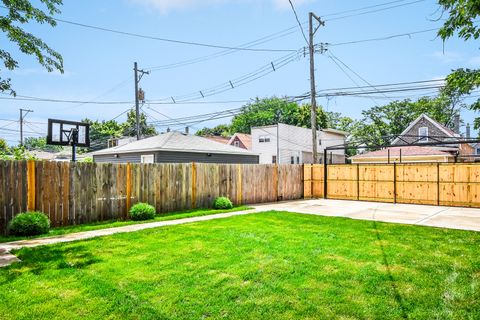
(298, 21)
(154, 102)
(348, 75)
(137, 35)
(363, 8)
(374, 11)
(265, 70)
(407, 34)
(353, 71)
(222, 53)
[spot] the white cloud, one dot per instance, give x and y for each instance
(164, 6)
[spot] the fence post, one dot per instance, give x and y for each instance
(194, 185)
(312, 183)
(438, 183)
(394, 182)
(239, 184)
(128, 191)
(325, 174)
(358, 181)
(31, 185)
(275, 181)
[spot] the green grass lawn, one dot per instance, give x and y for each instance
(120, 223)
(273, 265)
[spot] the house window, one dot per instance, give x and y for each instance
(112, 143)
(319, 142)
(298, 160)
(263, 139)
(478, 150)
(274, 159)
(423, 134)
(236, 143)
(147, 158)
(292, 160)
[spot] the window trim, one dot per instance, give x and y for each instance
(264, 139)
(143, 158)
(423, 138)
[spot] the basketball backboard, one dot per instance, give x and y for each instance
(68, 133)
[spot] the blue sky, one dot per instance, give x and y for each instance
(98, 65)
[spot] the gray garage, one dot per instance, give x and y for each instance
(175, 147)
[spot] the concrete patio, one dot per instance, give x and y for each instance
(431, 216)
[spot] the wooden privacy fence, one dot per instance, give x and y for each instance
(442, 184)
(74, 193)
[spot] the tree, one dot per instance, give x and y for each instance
(130, 126)
(101, 132)
(220, 130)
(274, 110)
(381, 121)
(32, 143)
(22, 12)
(335, 120)
(4, 146)
(462, 20)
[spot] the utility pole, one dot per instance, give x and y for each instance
(313, 92)
(137, 95)
(22, 116)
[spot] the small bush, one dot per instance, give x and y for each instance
(142, 211)
(29, 224)
(222, 203)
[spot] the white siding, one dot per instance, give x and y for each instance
(266, 150)
(293, 142)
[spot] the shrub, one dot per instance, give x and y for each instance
(142, 211)
(29, 224)
(222, 203)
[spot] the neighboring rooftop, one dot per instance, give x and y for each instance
(407, 151)
(244, 138)
(175, 141)
(219, 139)
(327, 130)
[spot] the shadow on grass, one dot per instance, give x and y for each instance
(42, 259)
(396, 294)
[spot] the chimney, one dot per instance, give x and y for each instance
(467, 131)
(186, 130)
(456, 123)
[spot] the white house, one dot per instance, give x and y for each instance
(293, 145)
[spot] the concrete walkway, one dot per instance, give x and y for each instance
(6, 258)
(433, 216)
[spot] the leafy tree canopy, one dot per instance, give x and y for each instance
(102, 131)
(20, 12)
(274, 110)
(220, 130)
(462, 20)
(130, 126)
(391, 119)
(32, 143)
